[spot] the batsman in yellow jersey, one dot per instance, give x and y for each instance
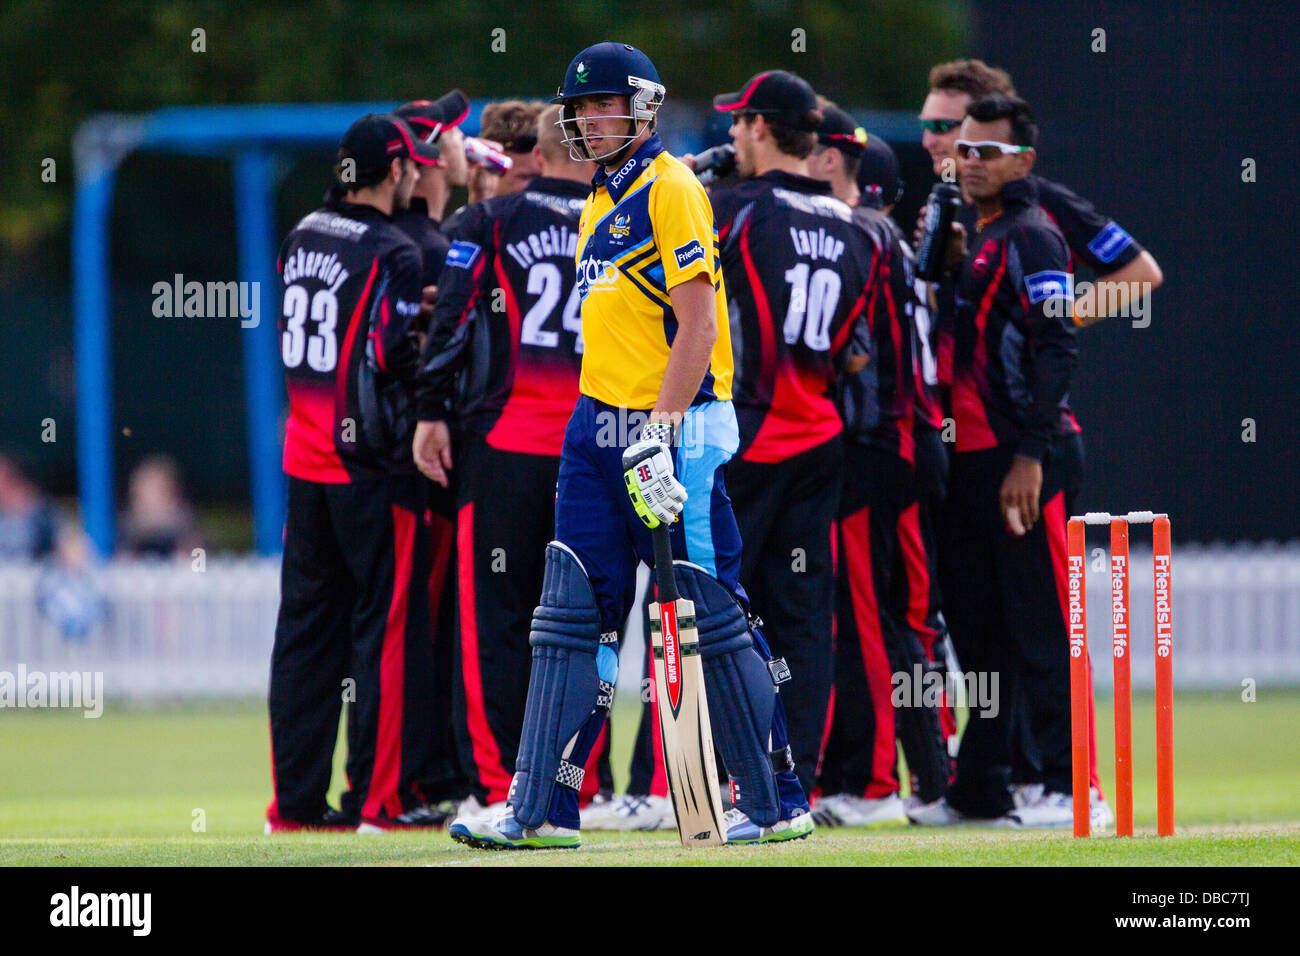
(651, 431)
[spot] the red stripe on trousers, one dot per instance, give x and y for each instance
(491, 771)
(591, 778)
(829, 722)
(1055, 518)
(386, 772)
(871, 640)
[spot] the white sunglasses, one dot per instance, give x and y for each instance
(987, 149)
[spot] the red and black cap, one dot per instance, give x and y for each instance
(430, 117)
(878, 176)
(377, 139)
(775, 93)
(842, 131)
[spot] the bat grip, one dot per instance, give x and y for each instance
(665, 582)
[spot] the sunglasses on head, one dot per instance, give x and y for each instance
(940, 126)
(987, 150)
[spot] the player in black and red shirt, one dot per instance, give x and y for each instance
(799, 273)
(436, 123)
(1121, 265)
(884, 586)
(353, 608)
(1015, 472)
(502, 362)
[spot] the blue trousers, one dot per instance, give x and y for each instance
(595, 518)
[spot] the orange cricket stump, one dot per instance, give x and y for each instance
(1076, 572)
(1120, 641)
(1162, 561)
(1121, 652)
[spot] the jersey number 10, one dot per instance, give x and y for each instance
(814, 298)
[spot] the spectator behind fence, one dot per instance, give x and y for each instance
(159, 521)
(28, 524)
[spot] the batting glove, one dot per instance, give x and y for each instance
(655, 491)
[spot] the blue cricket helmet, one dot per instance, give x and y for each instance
(618, 69)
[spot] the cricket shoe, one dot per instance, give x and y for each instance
(504, 832)
(423, 817)
(850, 810)
(331, 821)
(1053, 810)
(1099, 813)
(940, 813)
(630, 812)
(1024, 794)
(742, 830)
(471, 807)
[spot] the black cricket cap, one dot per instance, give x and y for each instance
(430, 117)
(878, 176)
(777, 94)
(842, 131)
(377, 139)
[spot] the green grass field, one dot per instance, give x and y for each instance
(131, 788)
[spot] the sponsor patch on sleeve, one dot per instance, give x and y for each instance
(1049, 285)
(688, 253)
(1110, 242)
(462, 254)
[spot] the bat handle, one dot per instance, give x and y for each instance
(665, 582)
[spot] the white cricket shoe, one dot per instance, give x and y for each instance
(849, 810)
(470, 807)
(629, 812)
(504, 832)
(940, 813)
(742, 830)
(1052, 810)
(1025, 794)
(1099, 812)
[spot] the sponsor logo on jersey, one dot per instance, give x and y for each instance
(595, 274)
(621, 227)
(688, 253)
(1049, 284)
(1110, 242)
(462, 254)
(616, 180)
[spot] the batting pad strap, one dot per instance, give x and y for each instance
(740, 692)
(570, 775)
(563, 687)
(782, 760)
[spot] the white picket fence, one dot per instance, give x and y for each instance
(170, 631)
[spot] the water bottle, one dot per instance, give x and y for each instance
(480, 152)
(940, 212)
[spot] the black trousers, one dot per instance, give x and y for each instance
(785, 511)
(353, 623)
(883, 597)
(1004, 600)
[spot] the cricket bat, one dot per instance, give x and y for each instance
(683, 707)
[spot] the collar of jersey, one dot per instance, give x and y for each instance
(1021, 191)
(804, 184)
(642, 158)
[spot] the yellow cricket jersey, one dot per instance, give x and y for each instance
(646, 228)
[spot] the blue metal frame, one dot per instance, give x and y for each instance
(250, 135)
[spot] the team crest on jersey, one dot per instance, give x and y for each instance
(1110, 242)
(1049, 284)
(688, 253)
(462, 254)
(621, 227)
